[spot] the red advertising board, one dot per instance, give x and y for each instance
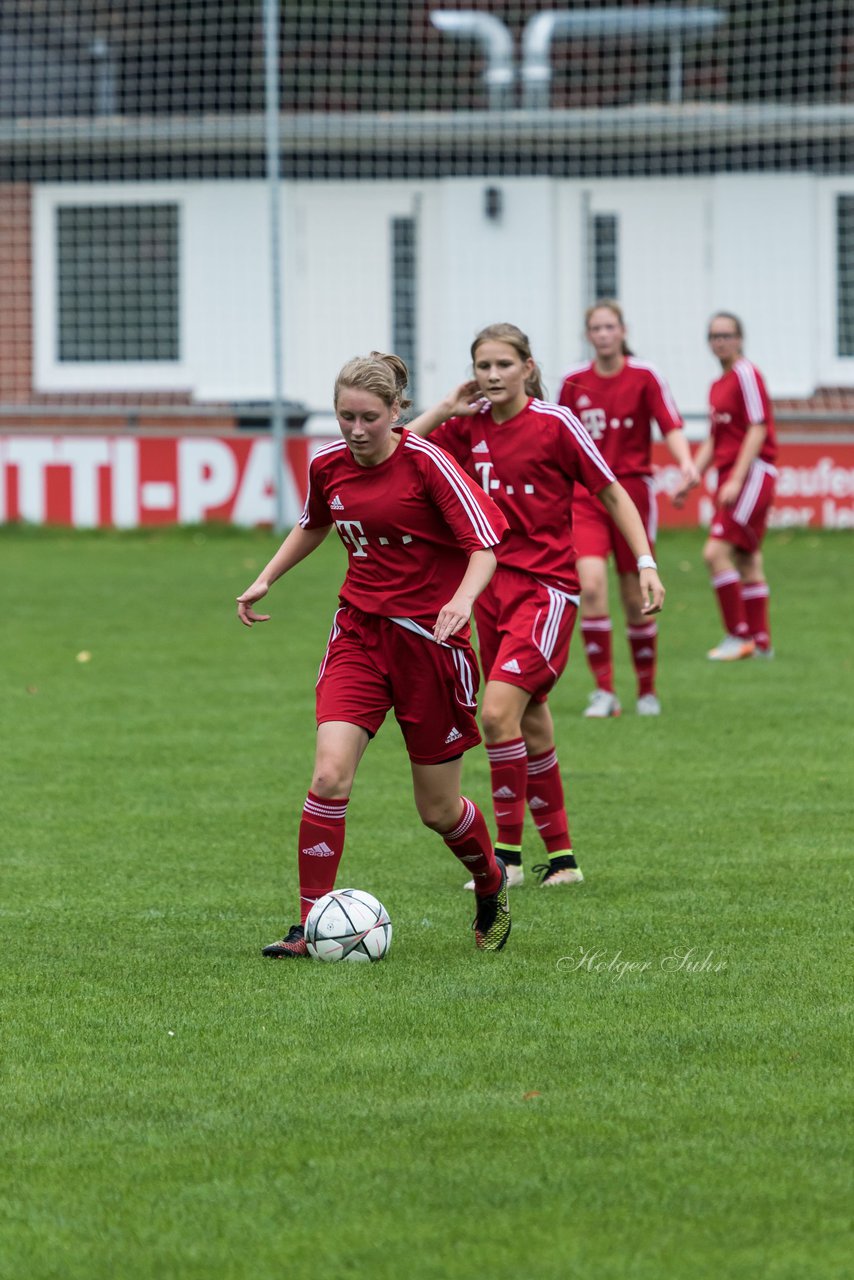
(815, 488)
(89, 481)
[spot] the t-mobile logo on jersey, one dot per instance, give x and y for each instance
(484, 470)
(353, 536)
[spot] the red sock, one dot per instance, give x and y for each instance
(321, 843)
(469, 841)
(596, 634)
(643, 642)
(727, 587)
(545, 800)
(508, 766)
(755, 596)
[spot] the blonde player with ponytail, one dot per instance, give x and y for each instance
(419, 536)
(528, 455)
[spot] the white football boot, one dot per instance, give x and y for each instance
(601, 704)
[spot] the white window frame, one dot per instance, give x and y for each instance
(50, 374)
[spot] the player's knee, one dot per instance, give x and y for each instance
(330, 779)
(438, 815)
(715, 556)
(498, 723)
(594, 600)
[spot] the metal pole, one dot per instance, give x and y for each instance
(271, 100)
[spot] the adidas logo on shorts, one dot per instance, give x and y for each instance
(336, 504)
(513, 666)
(321, 850)
(454, 735)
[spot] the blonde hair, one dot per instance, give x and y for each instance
(609, 304)
(515, 338)
(383, 375)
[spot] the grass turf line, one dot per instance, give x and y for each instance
(443, 1114)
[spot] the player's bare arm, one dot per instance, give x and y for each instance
(297, 545)
(754, 438)
(625, 515)
(462, 402)
(702, 462)
(456, 613)
(681, 451)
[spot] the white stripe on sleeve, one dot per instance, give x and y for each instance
(478, 518)
(579, 433)
(750, 391)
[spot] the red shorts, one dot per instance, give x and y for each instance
(743, 525)
(594, 532)
(373, 665)
(523, 630)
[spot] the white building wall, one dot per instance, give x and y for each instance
(663, 275)
(479, 270)
(761, 246)
(765, 269)
(336, 246)
(227, 290)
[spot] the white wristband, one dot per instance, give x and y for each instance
(646, 562)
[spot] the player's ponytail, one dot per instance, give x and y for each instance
(520, 343)
(610, 304)
(385, 376)
(399, 372)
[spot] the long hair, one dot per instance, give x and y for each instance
(518, 340)
(609, 304)
(385, 376)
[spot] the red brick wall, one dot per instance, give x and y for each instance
(16, 307)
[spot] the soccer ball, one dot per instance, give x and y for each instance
(348, 924)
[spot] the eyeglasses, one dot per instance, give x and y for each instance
(720, 337)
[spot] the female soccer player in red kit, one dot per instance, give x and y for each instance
(617, 397)
(419, 536)
(743, 447)
(528, 454)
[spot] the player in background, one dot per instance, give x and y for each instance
(528, 455)
(617, 397)
(419, 536)
(742, 446)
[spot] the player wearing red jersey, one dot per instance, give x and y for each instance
(419, 536)
(742, 445)
(528, 454)
(618, 397)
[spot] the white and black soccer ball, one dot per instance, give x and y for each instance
(348, 924)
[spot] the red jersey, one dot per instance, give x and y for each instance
(736, 401)
(409, 525)
(618, 411)
(529, 465)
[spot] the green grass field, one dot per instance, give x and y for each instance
(176, 1107)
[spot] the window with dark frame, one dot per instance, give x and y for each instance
(117, 283)
(404, 301)
(606, 281)
(845, 276)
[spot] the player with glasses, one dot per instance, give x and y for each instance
(742, 446)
